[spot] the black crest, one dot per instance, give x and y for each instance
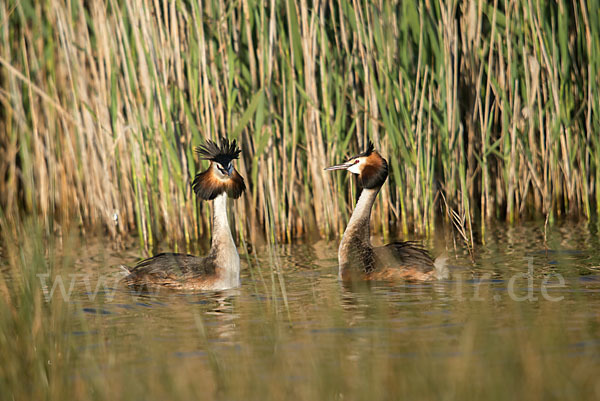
(222, 154)
(370, 148)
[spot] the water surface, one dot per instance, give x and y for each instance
(518, 320)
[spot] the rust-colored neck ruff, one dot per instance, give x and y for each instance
(375, 172)
(208, 186)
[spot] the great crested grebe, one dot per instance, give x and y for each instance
(220, 269)
(358, 259)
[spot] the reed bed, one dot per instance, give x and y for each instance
(492, 104)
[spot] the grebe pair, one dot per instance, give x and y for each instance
(358, 259)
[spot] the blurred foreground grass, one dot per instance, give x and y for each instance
(317, 341)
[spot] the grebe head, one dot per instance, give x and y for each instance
(220, 176)
(371, 168)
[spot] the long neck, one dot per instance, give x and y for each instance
(222, 247)
(358, 231)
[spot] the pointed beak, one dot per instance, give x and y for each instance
(343, 166)
(227, 171)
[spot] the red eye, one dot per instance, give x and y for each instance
(356, 161)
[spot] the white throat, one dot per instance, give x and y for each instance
(223, 248)
(356, 168)
(358, 229)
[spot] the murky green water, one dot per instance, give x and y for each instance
(520, 322)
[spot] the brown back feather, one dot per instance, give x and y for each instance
(407, 254)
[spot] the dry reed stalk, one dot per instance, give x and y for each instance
(102, 106)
